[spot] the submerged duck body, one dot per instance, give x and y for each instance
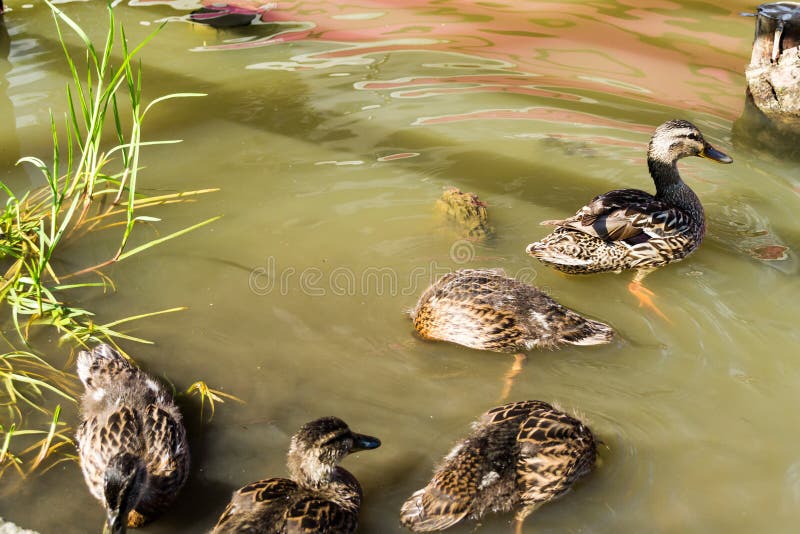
(320, 497)
(132, 442)
(632, 229)
(467, 212)
(517, 457)
(484, 309)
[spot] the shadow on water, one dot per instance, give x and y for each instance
(184, 516)
(754, 130)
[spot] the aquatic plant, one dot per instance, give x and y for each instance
(90, 186)
(210, 396)
(26, 380)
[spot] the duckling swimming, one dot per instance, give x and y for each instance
(467, 212)
(517, 457)
(485, 309)
(631, 229)
(320, 497)
(132, 442)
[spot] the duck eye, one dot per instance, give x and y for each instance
(329, 441)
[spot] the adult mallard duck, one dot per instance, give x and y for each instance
(320, 497)
(632, 229)
(518, 456)
(131, 440)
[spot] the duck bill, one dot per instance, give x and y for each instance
(115, 524)
(116, 521)
(362, 442)
(712, 153)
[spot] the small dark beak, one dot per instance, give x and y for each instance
(114, 523)
(712, 153)
(362, 442)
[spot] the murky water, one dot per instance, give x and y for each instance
(331, 128)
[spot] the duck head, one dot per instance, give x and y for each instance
(677, 139)
(124, 478)
(320, 445)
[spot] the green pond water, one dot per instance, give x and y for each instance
(331, 128)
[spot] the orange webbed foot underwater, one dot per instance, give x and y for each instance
(645, 298)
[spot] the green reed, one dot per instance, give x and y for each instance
(90, 186)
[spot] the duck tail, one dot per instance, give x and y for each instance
(450, 494)
(547, 253)
(416, 516)
(589, 332)
(412, 512)
(101, 360)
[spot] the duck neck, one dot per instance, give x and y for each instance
(671, 189)
(307, 469)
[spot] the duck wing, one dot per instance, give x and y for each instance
(258, 507)
(100, 438)
(627, 215)
(555, 450)
(166, 456)
(311, 515)
(167, 451)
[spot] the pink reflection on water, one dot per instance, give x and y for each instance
(554, 115)
(420, 87)
(280, 37)
(663, 52)
(400, 155)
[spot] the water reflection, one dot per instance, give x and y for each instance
(225, 16)
(540, 38)
(9, 147)
(742, 228)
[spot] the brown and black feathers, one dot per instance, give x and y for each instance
(320, 497)
(632, 229)
(517, 457)
(484, 309)
(131, 440)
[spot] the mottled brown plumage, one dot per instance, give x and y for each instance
(132, 442)
(517, 457)
(484, 309)
(631, 229)
(320, 497)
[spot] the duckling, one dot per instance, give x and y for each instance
(518, 456)
(320, 497)
(484, 309)
(467, 212)
(132, 442)
(631, 229)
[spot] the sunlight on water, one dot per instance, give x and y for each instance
(332, 128)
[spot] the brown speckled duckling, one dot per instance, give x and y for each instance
(467, 212)
(484, 309)
(320, 497)
(518, 456)
(132, 442)
(632, 229)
